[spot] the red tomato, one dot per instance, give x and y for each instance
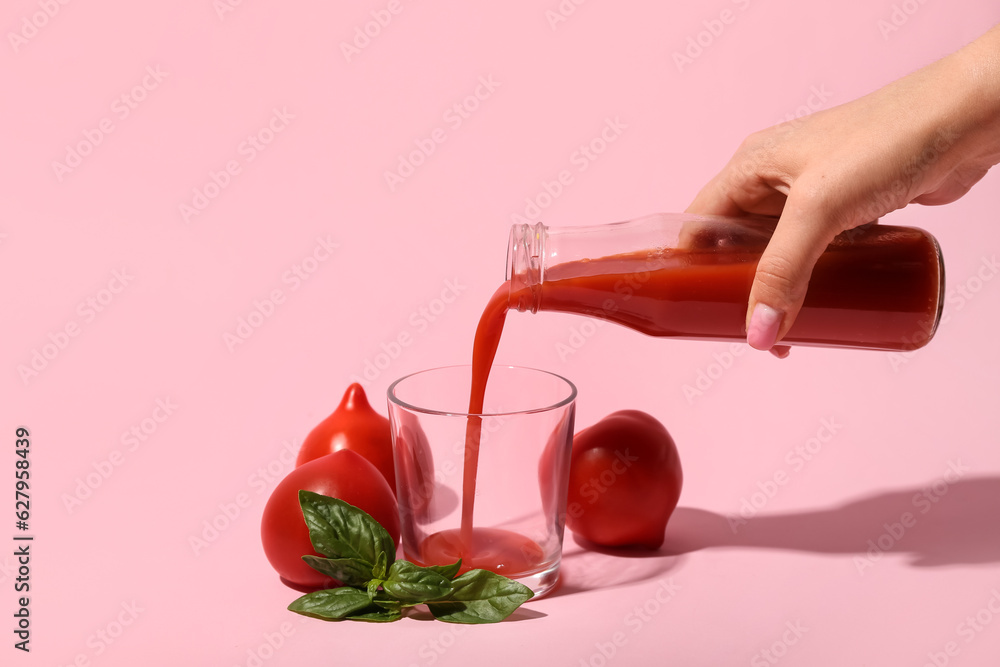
(553, 467)
(624, 481)
(343, 474)
(415, 492)
(356, 426)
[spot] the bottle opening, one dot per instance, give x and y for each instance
(525, 266)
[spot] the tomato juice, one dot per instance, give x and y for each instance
(502, 551)
(880, 290)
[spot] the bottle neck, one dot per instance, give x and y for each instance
(526, 266)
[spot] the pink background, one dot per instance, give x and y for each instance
(122, 551)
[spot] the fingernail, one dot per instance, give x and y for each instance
(764, 324)
(780, 351)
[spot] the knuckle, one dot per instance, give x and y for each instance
(762, 140)
(780, 280)
(814, 195)
(755, 150)
(765, 156)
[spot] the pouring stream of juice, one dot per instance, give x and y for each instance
(484, 351)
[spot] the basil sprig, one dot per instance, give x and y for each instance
(377, 588)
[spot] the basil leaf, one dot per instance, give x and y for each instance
(347, 571)
(374, 614)
(380, 566)
(372, 588)
(411, 583)
(331, 604)
(480, 596)
(447, 571)
(387, 603)
(340, 530)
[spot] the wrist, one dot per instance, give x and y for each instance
(975, 111)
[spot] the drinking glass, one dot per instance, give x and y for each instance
(488, 488)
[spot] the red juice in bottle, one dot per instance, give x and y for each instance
(878, 287)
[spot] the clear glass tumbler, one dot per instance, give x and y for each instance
(501, 505)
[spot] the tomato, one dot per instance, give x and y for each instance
(553, 467)
(356, 426)
(344, 474)
(415, 492)
(624, 481)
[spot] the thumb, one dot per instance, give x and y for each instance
(782, 277)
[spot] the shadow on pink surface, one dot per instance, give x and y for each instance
(591, 567)
(939, 524)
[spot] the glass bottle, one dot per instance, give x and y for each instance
(876, 287)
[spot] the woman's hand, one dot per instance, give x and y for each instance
(926, 138)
